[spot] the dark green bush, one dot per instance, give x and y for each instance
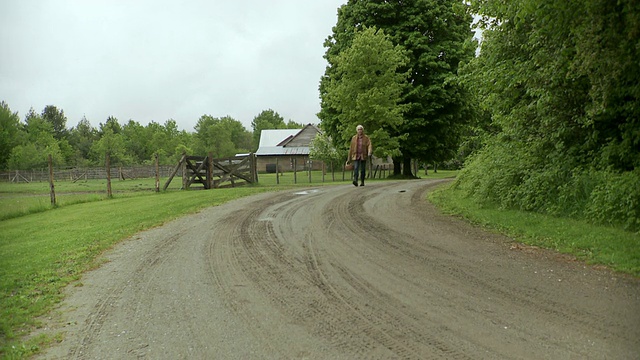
(496, 176)
(616, 200)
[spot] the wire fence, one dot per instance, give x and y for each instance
(88, 173)
(165, 171)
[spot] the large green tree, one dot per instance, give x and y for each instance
(57, 119)
(438, 37)
(112, 142)
(367, 90)
(240, 136)
(9, 129)
(81, 138)
(35, 143)
(168, 141)
(224, 137)
(136, 139)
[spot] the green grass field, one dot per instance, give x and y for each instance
(45, 248)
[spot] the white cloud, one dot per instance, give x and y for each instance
(150, 60)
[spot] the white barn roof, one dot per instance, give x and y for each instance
(283, 141)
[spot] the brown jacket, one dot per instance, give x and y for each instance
(366, 144)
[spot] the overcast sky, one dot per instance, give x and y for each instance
(154, 60)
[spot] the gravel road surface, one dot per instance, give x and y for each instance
(342, 272)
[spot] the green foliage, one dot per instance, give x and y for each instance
(135, 141)
(35, 143)
(81, 138)
(27, 145)
(437, 37)
(266, 120)
(367, 90)
(57, 119)
(224, 137)
(615, 200)
(559, 80)
(9, 129)
(112, 143)
(596, 244)
(508, 177)
(322, 148)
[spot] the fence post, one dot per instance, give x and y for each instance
(51, 185)
(108, 163)
(209, 180)
(277, 172)
(254, 167)
(157, 172)
(295, 170)
(185, 179)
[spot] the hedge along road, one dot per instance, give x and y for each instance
(340, 272)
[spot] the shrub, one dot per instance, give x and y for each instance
(504, 175)
(616, 200)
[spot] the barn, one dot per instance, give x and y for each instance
(288, 148)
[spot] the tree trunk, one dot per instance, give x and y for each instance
(397, 166)
(406, 167)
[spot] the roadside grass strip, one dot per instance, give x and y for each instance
(596, 245)
(43, 252)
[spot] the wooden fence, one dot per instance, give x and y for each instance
(236, 173)
(216, 173)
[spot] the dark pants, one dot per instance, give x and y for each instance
(359, 166)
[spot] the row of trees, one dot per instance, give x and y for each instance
(26, 144)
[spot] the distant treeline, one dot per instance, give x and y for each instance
(26, 144)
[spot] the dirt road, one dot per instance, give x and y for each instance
(341, 272)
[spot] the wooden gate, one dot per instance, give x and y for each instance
(216, 173)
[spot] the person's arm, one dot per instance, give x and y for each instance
(370, 148)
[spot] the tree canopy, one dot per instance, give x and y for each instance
(367, 90)
(224, 137)
(437, 36)
(9, 128)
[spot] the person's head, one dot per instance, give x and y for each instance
(360, 129)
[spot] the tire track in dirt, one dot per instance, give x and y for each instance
(340, 272)
(344, 216)
(147, 269)
(303, 272)
(437, 261)
(347, 315)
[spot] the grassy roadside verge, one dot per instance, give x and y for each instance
(597, 245)
(43, 252)
(43, 249)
